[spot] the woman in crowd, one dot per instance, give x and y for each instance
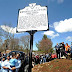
(2, 62)
(6, 65)
(67, 48)
(11, 65)
(18, 63)
(13, 62)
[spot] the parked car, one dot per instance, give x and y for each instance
(22, 54)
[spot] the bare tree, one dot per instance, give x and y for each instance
(14, 44)
(5, 45)
(1, 41)
(25, 40)
(5, 32)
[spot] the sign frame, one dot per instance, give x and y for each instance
(35, 29)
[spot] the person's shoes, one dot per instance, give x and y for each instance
(63, 57)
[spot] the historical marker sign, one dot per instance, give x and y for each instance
(33, 17)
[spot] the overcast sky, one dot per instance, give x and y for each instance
(59, 14)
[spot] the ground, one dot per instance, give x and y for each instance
(57, 65)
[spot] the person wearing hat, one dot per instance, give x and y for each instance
(5, 64)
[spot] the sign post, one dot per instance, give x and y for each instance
(31, 48)
(31, 19)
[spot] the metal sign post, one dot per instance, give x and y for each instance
(31, 48)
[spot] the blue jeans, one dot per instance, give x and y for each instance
(44, 60)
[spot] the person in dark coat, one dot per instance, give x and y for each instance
(71, 50)
(63, 49)
(57, 50)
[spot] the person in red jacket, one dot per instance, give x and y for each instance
(53, 56)
(67, 47)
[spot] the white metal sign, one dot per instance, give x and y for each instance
(33, 17)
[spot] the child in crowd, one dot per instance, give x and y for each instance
(13, 62)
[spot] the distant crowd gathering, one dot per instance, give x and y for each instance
(11, 64)
(42, 58)
(63, 50)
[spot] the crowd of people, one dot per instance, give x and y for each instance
(11, 63)
(42, 58)
(63, 50)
